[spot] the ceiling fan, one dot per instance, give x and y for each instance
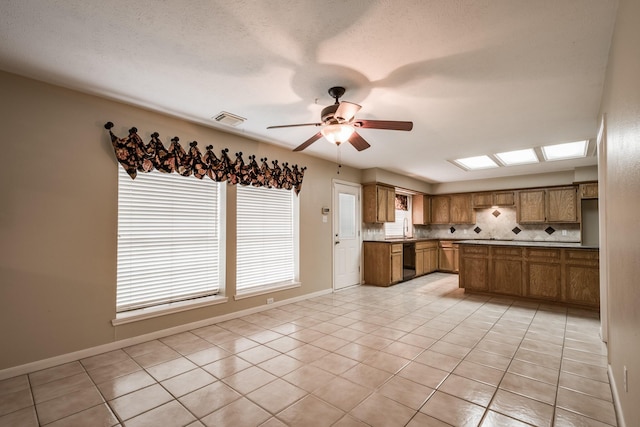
(339, 124)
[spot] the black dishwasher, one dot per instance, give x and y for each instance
(408, 260)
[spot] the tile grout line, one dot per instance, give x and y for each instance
(461, 360)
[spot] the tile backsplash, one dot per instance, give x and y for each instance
(494, 223)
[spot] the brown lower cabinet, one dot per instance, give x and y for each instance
(426, 257)
(554, 274)
(448, 259)
(383, 261)
(506, 268)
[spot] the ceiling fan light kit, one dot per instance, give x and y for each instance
(339, 124)
(337, 134)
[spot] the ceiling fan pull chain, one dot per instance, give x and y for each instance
(338, 159)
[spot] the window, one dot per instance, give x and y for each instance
(267, 238)
(169, 239)
(403, 226)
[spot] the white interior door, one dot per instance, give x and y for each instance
(346, 235)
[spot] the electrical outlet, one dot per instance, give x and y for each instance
(269, 300)
(625, 379)
(564, 232)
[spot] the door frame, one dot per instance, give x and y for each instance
(334, 229)
(601, 148)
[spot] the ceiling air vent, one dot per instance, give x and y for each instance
(229, 119)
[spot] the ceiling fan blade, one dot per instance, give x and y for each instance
(346, 110)
(358, 142)
(308, 142)
(296, 125)
(383, 124)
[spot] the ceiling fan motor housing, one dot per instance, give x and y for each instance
(327, 114)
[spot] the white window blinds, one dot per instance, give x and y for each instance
(168, 239)
(266, 237)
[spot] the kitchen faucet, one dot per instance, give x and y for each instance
(405, 227)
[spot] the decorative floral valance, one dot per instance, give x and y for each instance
(136, 156)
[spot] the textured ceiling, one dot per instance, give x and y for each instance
(475, 76)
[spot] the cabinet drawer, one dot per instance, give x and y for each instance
(507, 252)
(396, 247)
(584, 258)
(426, 245)
(475, 250)
(546, 255)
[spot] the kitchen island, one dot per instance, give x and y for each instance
(563, 272)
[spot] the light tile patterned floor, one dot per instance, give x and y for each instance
(421, 353)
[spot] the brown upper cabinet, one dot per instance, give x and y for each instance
(547, 205)
(452, 209)
(440, 209)
(462, 209)
(562, 204)
(378, 203)
(531, 206)
(498, 198)
(588, 190)
(421, 209)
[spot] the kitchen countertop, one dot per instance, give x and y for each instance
(492, 242)
(524, 243)
(407, 240)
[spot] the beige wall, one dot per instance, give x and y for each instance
(621, 104)
(58, 219)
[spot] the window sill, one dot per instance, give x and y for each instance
(163, 310)
(266, 290)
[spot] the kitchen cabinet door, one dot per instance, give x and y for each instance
(582, 277)
(562, 204)
(504, 198)
(440, 210)
(378, 203)
(499, 198)
(482, 200)
(506, 270)
(421, 209)
(474, 268)
(588, 190)
(396, 263)
(461, 209)
(448, 257)
(419, 262)
(531, 206)
(431, 259)
(544, 274)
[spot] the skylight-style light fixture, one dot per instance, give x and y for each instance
(518, 157)
(569, 150)
(338, 133)
(476, 163)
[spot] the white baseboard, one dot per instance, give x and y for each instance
(93, 351)
(616, 398)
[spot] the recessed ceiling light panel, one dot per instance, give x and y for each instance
(569, 150)
(518, 157)
(477, 162)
